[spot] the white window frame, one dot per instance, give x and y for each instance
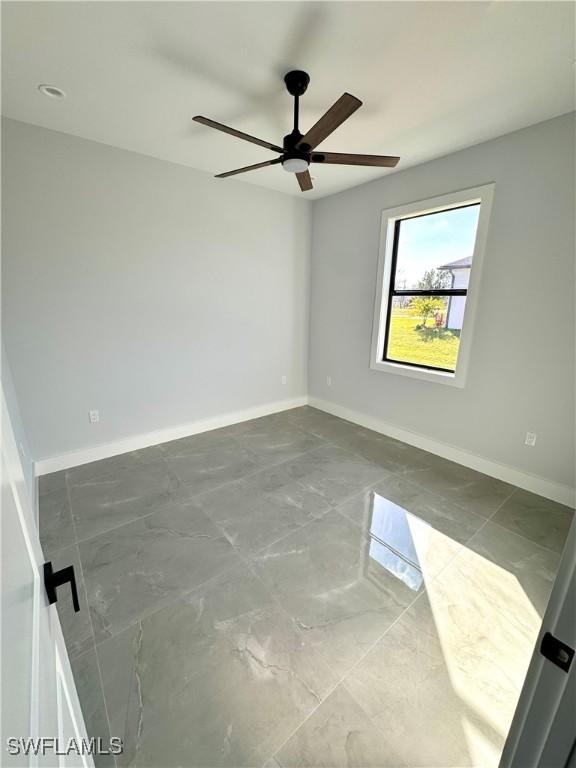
(484, 195)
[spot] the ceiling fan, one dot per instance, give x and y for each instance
(296, 152)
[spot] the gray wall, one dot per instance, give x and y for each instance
(521, 376)
(150, 291)
(161, 296)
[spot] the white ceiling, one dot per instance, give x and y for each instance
(434, 76)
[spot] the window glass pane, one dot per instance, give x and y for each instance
(425, 330)
(435, 251)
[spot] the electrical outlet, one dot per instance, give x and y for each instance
(530, 439)
(284, 379)
(329, 380)
(94, 416)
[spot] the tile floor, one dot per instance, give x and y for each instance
(299, 591)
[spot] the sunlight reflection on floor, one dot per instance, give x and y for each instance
(482, 616)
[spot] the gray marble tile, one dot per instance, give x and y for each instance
(276, 443)
(334, 473)
(455, 522)
(55, 519)
(209, 662)
(140, 566)
(472, 490)
(108, 501)
(268, 440)
(280, 420)
(388, 453)
(306, 414)
(261, 509)
(405, 686)
(538, 519)
(124, 461)
(490, 598)
(204, 468)
(89, 687)
(323, 425)
(215, 438)
(76, 627)
(218, 678)
(55, 481)
(532, 567)
(339, 733)
(342, 588)
(392, 455)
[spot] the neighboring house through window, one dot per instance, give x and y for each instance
(460, 272)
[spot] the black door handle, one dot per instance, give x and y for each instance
(54, 579)
(556, 651)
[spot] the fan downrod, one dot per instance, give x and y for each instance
(297, 82)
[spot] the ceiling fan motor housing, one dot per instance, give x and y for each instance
(297, 82)
(294, 153)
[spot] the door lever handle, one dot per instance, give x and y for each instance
(54, 579)
(556, 651)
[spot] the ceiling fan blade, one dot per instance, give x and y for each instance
(304, 180)
(342, 158)
(248, 168)
(238, 134)
(335, 116)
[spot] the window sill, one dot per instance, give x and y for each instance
(438, 377)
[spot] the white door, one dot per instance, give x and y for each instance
(40, 712)
(543, 732)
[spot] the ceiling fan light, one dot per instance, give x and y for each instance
(295, 165)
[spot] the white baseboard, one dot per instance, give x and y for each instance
(105, 450)
(551, 490)
(563, 494)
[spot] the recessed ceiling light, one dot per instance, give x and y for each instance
(52, 91)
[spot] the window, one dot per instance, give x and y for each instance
(430, 260)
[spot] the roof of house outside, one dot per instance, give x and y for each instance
(464, 263)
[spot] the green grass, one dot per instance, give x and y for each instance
(424, 346)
